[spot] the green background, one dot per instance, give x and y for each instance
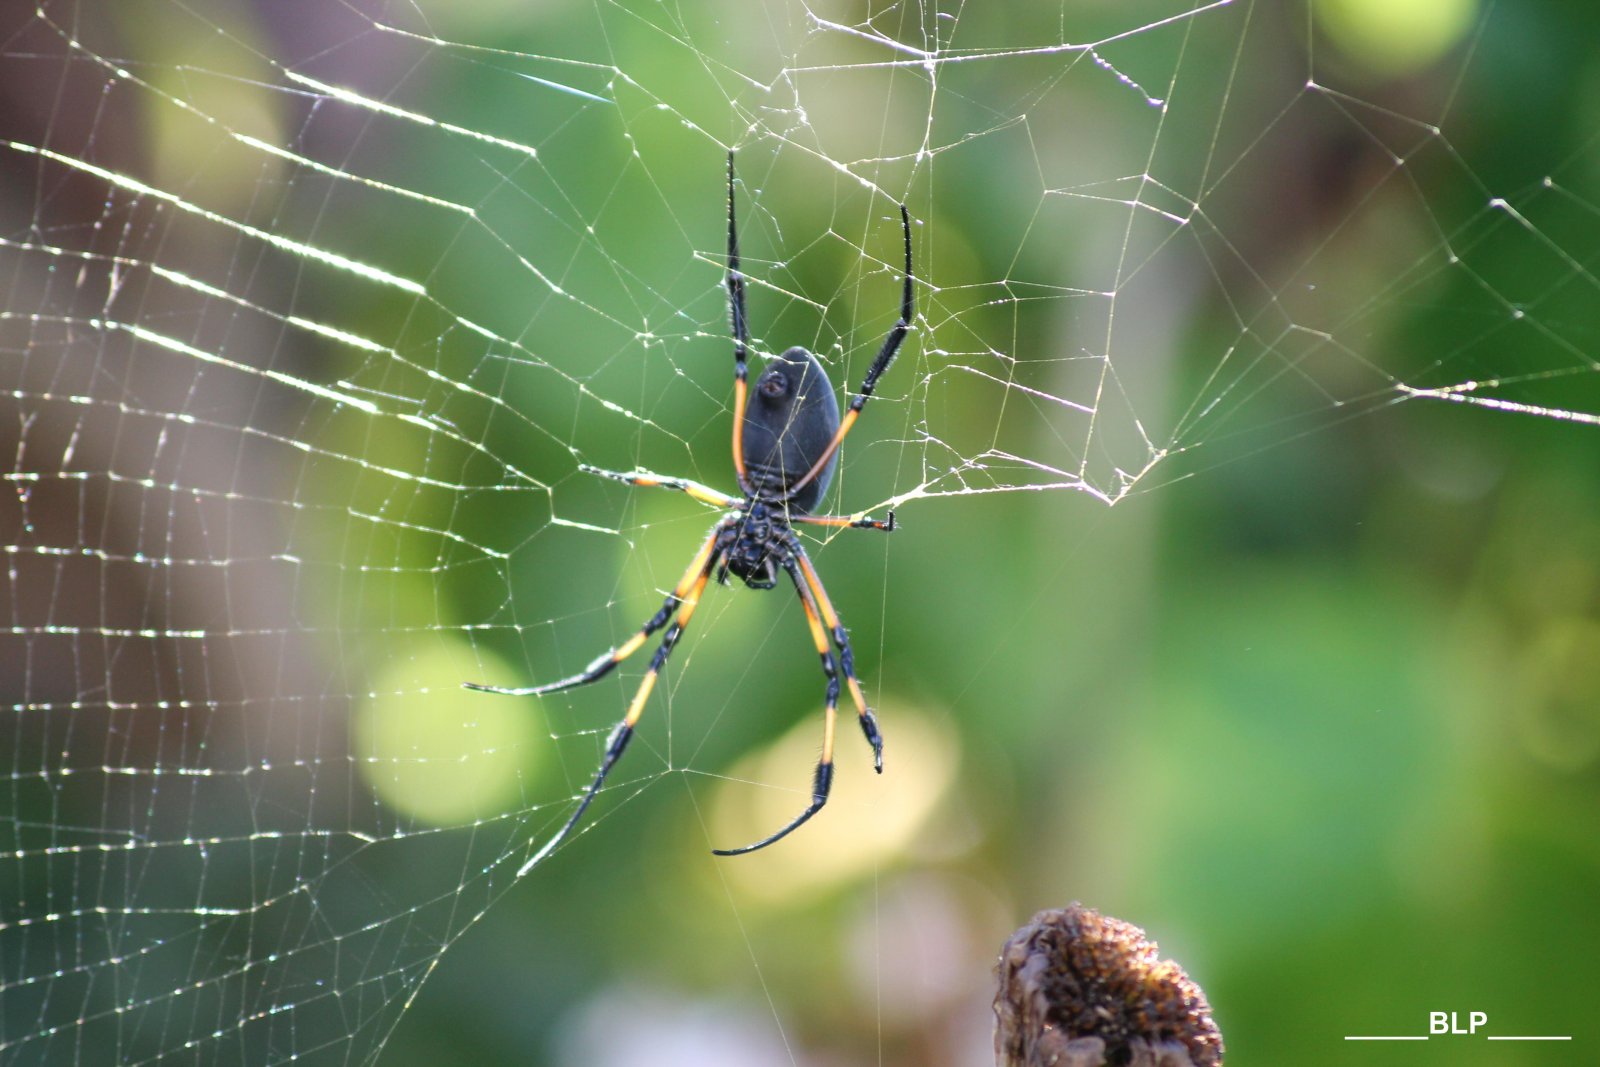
(1316, 702)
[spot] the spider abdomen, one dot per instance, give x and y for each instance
(789, 422)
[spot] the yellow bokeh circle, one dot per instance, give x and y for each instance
(440, 753)
(1396, 37)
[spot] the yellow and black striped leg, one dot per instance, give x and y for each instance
(880, 363)
(617, 743)
(858, 521)
(741, 336)
(703, 493)
(822, 782)
(841, 640)
(603, 664)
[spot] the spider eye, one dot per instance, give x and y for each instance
(774, 384)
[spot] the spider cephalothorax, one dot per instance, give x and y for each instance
(759, 547)
(786, 439)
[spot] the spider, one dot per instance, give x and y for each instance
(785, 447)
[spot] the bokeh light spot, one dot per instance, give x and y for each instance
(868, 819)
(435, 751)
(1395, 37)
(1556, 709)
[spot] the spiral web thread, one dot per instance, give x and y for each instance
(307, 326)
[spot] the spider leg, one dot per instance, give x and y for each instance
(880, 363)
(859, 521)
(622, 733)
(703, 493)
(741, 335)
(822, 782)
(603, 664)
(847, 660)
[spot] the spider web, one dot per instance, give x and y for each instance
(313, 310)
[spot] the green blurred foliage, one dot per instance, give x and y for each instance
(1317, 704)
(1323, 717)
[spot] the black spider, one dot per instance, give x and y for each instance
(785, 447)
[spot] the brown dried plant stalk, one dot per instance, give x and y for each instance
(1078, 989)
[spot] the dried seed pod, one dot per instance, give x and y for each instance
(1078, 989)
